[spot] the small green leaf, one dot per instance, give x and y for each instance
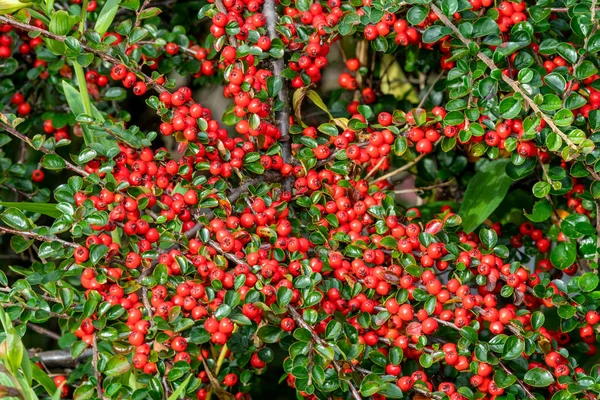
(117, 365)
(53, 162)
(484, 193)
(563, 255)
(106, 16)
(588, 282)
(538, 377)
(16, 219)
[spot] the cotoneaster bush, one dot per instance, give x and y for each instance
(167, 249)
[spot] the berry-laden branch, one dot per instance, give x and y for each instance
(102, 55)
(301, 322)
(512, 83)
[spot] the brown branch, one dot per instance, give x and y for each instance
(302, 323)
(30, 308)
(519, 382)
(44, 150)
(37, 236)
(597, 232)
(426, 95)
(283, 115)
(565, 9)
(95, 366)
(399, 170)
(513, 84)
(104, 56)
(41, 330)
(232, 40)
(424, 188)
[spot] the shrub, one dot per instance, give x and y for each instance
(376, 240)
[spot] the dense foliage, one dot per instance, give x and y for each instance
(428, 228)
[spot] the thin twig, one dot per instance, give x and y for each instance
(399, 170)
(597, 232)
(41, 330)
(420, 190)
(60, 358)
(426, 95)
(375, 168)
(31, 308)
(37, 236)
(25, 139)
(519, 382)
(232, 40)
(302, 323)
(283, 115)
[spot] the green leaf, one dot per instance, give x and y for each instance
(180, 391)
(106, 16)
(563, 255)
(53, 162)
(588, 282)
(469, 333)
(42, 208)
(541, 189)
(510, 107)
(484, 193)
(488, 237)
(16, 219)
(270, 334)
(117, 365)
(416, 14)
(556, 82)
(567, 52)
(513, 348)
(43, 379)
(435, 33)
(542, 210)
(537, 320)
(538, 377)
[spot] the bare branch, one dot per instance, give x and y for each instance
(399, 170)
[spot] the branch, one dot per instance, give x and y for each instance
(37, 237)
(104, 56)
(513, 84)
(232, 40)
(597, 232)
(30, 308)
(60, 358)
(399, 170)
(41, 330)
(302, 323)
(95, 366)
(44, 150)
(420, 190)
(283, 115)
(519, 382)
